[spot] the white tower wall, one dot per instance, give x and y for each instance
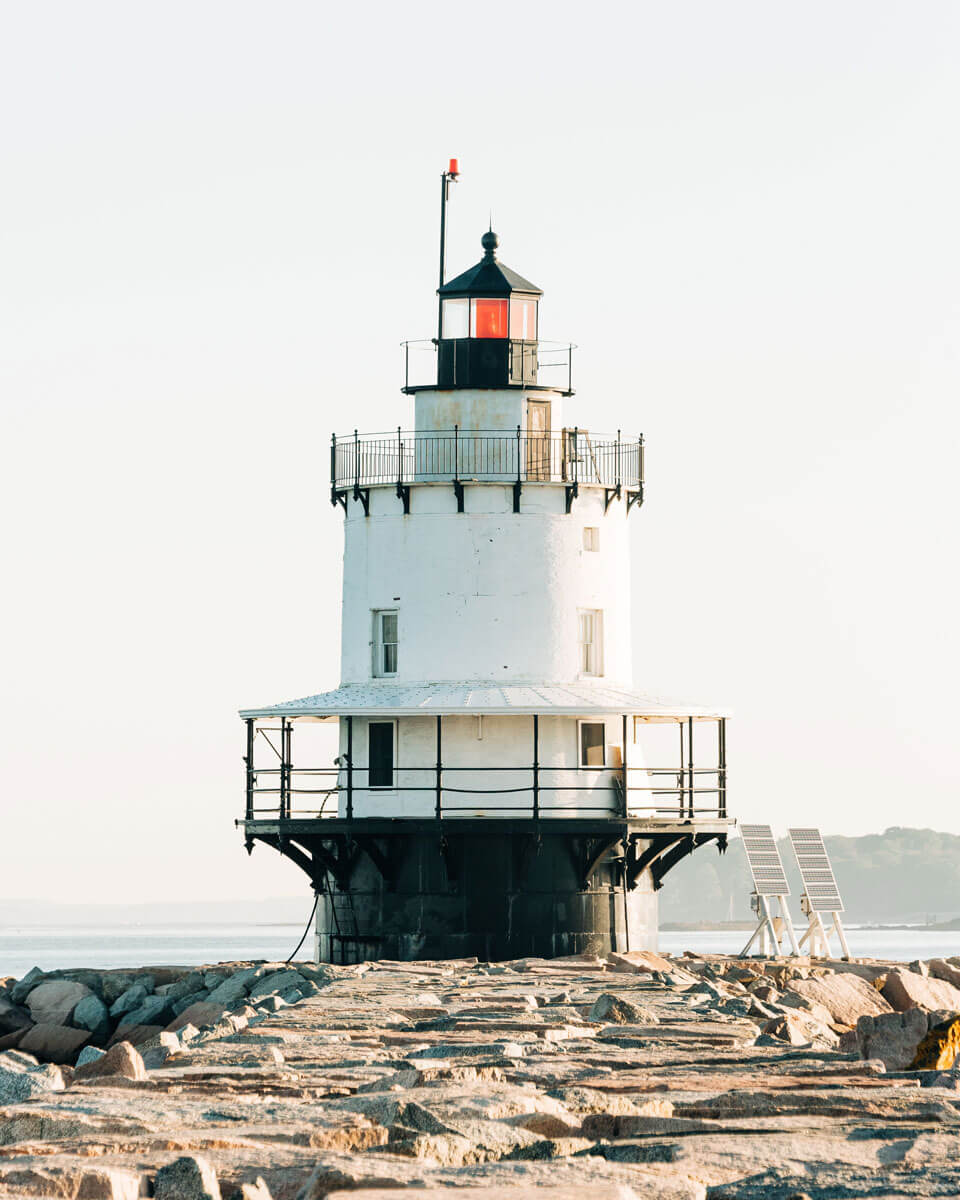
(487, 594)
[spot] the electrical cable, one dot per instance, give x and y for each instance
(303, 936)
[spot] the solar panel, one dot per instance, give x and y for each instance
(766, 866)
(815, 870)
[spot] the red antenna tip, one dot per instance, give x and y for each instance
(454, 168)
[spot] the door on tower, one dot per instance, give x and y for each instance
(538, 439)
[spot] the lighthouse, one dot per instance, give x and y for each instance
(503, 786)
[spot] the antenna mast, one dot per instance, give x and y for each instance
(450, 175)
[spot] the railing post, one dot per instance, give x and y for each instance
(406, 365)
(283, 767)
(681, 775)
(618, 462)
(288, 755)
(536, 767)
(570, 368)
(356, 465)
(333, 469)
(248, 759)
(690, 794)
(722, 765)
(349, 768)
(626, 777)
(439, 767)
(456, 454)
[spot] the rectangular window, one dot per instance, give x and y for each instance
(385, 639)
(380, 754)
(591, 641)
(456, 318)
(592, 744)
(488, 318)
(523, 320)
(591, 537)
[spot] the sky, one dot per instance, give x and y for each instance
(219, 220)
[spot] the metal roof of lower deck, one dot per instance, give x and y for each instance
(458, 699)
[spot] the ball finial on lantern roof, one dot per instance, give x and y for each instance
(490, 241)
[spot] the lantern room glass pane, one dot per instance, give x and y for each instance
(456, 318)
(488, 318)
(523, 320)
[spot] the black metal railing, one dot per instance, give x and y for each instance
(673, 792)
(401, 457)
(540, 364)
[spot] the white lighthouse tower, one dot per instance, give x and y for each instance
(492, 794)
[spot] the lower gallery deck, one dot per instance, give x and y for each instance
(491, 834)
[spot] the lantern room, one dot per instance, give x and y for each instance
(488, 326)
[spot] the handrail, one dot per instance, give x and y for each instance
(571, 456)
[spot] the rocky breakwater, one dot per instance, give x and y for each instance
(634, 1075)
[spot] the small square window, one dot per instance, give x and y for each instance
(385, 642)
(592, 744)
(591, 641)
(591, 537)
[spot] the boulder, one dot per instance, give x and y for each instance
(188, 1178)
(91, 1014)
(189, 985)
(129, 1000)
(155, 1010)
(639, 962)
(89, 1054)
(13, 1016)
(940, 968)
(847, 998)
(254, 1191)
(275, 983)
(121, 1059)
(892, 1037)
(52, 1003)
(800, 1029)
(22, 989)
(187, 1001)
(22, 1078)
(54, 1043)
(905, 990)
(939, 1050)
(9, 1041)
(136, 1035)
(611, 1008)
(234, 989)
(201, 1013)
(113, 984)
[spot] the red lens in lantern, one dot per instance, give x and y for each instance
(454, 168)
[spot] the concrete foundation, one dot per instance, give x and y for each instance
(497, 895)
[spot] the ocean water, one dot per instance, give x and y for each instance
(54, 947)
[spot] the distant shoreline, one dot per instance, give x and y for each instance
(737, 926)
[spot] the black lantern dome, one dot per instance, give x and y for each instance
(488, 330)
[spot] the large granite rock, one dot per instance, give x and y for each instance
(892, 1038)
(904, 990)
(121, 1059)
(155, 1010)
(13, 1016)
(91, 1014)
(201, 1013)
(620, 1011)
(847, 998)
(189, 1178)
(23, 1078)
(941, 968)
(234, 989)
(129, 1000)
(54, 1043)
(53, 1002)
(275, 983)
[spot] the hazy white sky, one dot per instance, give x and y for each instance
(217, 222)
